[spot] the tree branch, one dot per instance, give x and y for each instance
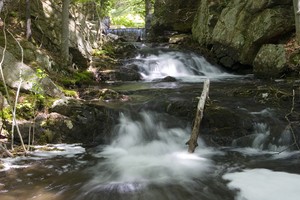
(192, 143)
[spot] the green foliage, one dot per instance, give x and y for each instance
(46, 137)
(109, 48)
(25, 110)
(127, 21)
(70, 93)
(103, 6)
(6, 113)
(99, 52)
(37, 88)
(129, 13)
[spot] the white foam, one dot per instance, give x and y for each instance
(183, 66)
(133, 157)
(66, 150)
(262, 184)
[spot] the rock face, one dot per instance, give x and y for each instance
(47, 31)
(206, 19)
(81, 121)
(242, 27)
(173, 15)
(16, 73)
(233, 31)
(70, 121)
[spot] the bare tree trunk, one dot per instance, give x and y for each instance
(65, 33)
(192, 143)
(148, 7)
(28, 20)
(297, 19)
(1, 5)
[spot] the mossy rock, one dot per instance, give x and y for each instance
(295, 59)
(108, 94)
(77, 79)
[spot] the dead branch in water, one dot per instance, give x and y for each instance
(290, 125)
(192, 143)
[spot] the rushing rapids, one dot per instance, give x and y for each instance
(155, 64)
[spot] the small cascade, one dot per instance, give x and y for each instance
(268, 133)
(130, 34)
(262, 139)
(155, 64)
(146, 152)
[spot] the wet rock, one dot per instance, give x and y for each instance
(84, 121)
(119, 74)
(270, 61)
(168, 79)
(81, 126)
(222, 125)
(108, 94)
(179, 39)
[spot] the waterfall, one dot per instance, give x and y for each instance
(130, 34)
(155, 64)
(146, 152)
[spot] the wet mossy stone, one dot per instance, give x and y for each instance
(270, 61)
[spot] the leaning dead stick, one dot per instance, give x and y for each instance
(192, 143)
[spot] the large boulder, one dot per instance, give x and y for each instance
(270, 62)
(17, 74)
(173, 15)
(206, 19)
(237, 34)
(71, 120)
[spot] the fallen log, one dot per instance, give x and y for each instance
(192, 143)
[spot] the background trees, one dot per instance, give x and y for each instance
(65, 32)
(28, 20)
(297, 19)
(128, 13)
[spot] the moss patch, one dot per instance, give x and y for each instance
(77, 79)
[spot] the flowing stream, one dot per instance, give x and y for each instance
(147, 157)
(158, 63)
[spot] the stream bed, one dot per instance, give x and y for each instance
(147, 158)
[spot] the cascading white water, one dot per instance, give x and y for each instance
(184, 66)
(261, 139)
(261, 133)
(130, 34)
(146, 152)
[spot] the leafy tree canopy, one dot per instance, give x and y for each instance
(128, 13)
